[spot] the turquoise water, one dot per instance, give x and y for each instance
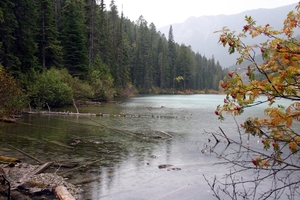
(127, 146)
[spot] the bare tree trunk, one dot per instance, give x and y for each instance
(75, 106)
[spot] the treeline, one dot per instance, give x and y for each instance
(104, 53)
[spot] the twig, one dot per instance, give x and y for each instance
(217, 141)
(225, 135)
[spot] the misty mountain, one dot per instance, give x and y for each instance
(198, 32)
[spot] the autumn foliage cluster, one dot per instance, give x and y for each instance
(11, 95)
(279, 79)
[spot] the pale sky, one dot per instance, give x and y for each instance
(167, 12)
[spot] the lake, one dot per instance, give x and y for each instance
(130, 144)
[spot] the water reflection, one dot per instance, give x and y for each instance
(123, 152)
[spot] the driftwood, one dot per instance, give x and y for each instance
(8, 159)
(62, 193)
(29, 177)
(67, 171)
(115, 129)
(165, 133)
(8, 120)
(162, 166)
(86, 180)
(61, 113)
(65, 164)
(41, 126)
(59, 143)
(34, 158)
(38, 170)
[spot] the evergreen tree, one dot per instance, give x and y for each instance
(49, 51)
(103, 37)
(74, 40)
(91, 12)
(123, 58)
(170, 73)
(18, 29)
(114, 42)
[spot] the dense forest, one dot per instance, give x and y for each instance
(62, 50)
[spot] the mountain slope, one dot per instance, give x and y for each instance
(198, 32)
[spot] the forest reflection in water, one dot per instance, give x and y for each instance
(148, 147)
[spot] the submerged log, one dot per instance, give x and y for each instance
(8, 159)
(162, 166)
(8, 120)
(86, 180)
(62, 193)
(59, 143)
(34, 158)
(65, 164)
(167, 134)
(76, 168)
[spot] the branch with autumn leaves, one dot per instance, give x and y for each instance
(276, 78)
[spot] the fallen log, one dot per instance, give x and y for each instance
(62, 193)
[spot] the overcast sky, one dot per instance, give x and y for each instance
(167, 12)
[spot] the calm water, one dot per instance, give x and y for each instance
(124, 154)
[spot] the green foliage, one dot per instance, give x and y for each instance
(81, 90)
(12, 99)
(50, 89)
(102, 81)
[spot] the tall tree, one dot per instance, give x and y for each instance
(91, 10)
(73, 39)
(114, 41)
(50, 50)
(18, 34)
(171, 70)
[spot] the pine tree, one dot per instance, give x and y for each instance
(74, 40)
(171, 70)
(18, 29)
(50, 50)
